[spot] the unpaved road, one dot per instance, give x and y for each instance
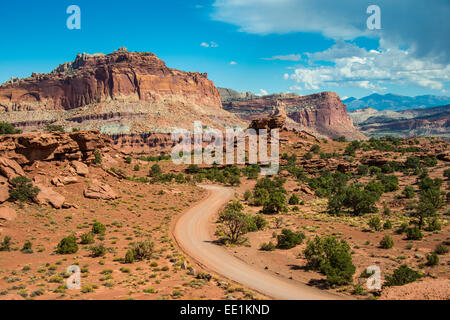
(192, 233)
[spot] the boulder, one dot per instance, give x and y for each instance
(80, 168)
(47, 195)
(98, 190)
(10, 168)
(7, 214)
(62, 181)
(4, 193)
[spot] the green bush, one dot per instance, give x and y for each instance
(5, 245)
(403, 228)
(331, 257)
(87, 238)
(441, 249)
(401, 276)
(22, 189)
(447, 173)
(260, 222)
(143, 250)
(387, 225)
(387, 242)
(27, 247)
(7, 128)
(128, 159)
(54, 128)
(432, 259)
(409, 192)
(434, 225)
(390, 183)
(268, 246)
(98, 228)
(129, 256)
(247, 195)
(67, 245)
(293, 200)
(289, 239)
(155, 171)
(414, 234)
(375, 223)
(362, 170)
(98, 157)
(98, 250)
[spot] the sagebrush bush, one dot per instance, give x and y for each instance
(5, 245)
(143, 250)
(98, 250)
(289, 239)
(414, 234)
(129, 256)
(87, 238)
(331, 257)
(98, 228)
(22, 189)
(375, 223)
(267, 246)
(387, 242)
(387, 225)
(27, 247)
(293, 200)
(67, 245)
(432, 259)
(401, 276)
(441, 249)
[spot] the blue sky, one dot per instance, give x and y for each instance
(301, 46)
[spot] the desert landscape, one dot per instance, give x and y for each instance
(136, 226)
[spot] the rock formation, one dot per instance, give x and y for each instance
(122, 93)
(321, 114)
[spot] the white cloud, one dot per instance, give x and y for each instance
(211, 44)
(262, 92)
(288, 57)
(233, 63)
(349, 65)
(422, 26)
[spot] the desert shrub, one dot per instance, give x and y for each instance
(328, 183)
(387, 225)
(374, 171)
(267, 246)
(275, 203)
(362, 170)
(375, 223)
(308, 156)
(27, 247)
(293, 200)
(402, 228)
(315, 149)
(414, 234)
(98, 228)
(137, 167)
(434, 225)
(352, 197)
(193, 169)
(155, 171)
(98, 250)
(67, 245)
(432, 259)
(234, 180)
(128, 159)
(5, 245)
(409, 192)
(331, 257)
(289, 239)
(441, 249)
(260, 222)
(340, 139)
(387, 168)
(390, 183)
(129, 256)
(143, 250)
(54, 128)
(97, 157)
(412, 163)
(447, 173)
(234, 223)
(7, 128)
(430, 161)
(87, 238)
(247, 195)
(22, 189)
(387, 242)
(401, 276)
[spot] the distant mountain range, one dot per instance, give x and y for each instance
(395, 102)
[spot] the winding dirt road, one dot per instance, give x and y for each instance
(192, 233)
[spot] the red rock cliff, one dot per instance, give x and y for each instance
(121, 76)
(321, 113)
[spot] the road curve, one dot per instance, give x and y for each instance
(191, 232)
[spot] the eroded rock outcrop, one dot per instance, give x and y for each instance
(99, 190)
(321, 114)
(26, 148)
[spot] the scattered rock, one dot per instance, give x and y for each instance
(62, 181)
(80, 168)
(4, 193)
(10, 168)
(191, 271)
(47, 195)
(307, 190)
(98, 190)
(7, 214)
